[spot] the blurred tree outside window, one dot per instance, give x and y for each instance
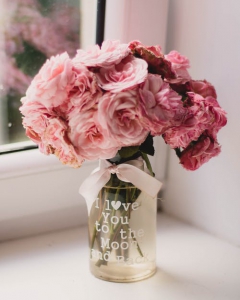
(31, 31)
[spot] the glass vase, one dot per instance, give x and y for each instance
(122, 233)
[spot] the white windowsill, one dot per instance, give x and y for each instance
(192, 265)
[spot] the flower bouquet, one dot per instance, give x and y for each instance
(108, 103)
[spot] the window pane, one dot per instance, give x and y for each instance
(30, 32)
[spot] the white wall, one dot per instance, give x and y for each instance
(208, 32)
(142, 20)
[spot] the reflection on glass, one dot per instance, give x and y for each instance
(30, 32)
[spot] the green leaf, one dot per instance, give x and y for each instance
(126, 152)
(147, 146)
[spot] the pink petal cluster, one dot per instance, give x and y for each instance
(116, 96)
(111, 53)
(180, 64)
(88, 137)
(123, 119)
(202, 113)
(160, 106)
(53, 82)
(127, 74)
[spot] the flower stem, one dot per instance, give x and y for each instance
(147, 161)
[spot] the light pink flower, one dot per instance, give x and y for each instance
(89, 138)
(53, 82)
(194, 156)
(160, 105)
(36, 116)
(119, 114)
(130, 72)
(180, 64)
(86, 92)
(111, 52)
(54, 140)
(55, 136)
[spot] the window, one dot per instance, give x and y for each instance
(32, 31)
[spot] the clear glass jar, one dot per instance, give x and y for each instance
(122, 233)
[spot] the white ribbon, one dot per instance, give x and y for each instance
(130, 171)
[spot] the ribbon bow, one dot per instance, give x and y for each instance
(130, 171)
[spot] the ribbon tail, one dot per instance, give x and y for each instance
(91, 186)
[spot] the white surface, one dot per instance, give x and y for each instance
(208, 33)
(88, 18)
(192, 265)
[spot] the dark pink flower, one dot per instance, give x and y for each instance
(157, 64)
(201, 114)
(195, 155)
(161, 107)
(203, 88)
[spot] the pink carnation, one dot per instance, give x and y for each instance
(207, 112)
(89, 138)
(160, 105)
(111, 52)
(86, 92)
(194, 156)
(53, 82)
(154, 50)
(36, 116)
(130, 72)
(180, 64)
(154, 57)
(203, 88)
(123, 119)
(56, 137)
(202, 114)
(219, 116)
(49, 133)
(181, 136)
